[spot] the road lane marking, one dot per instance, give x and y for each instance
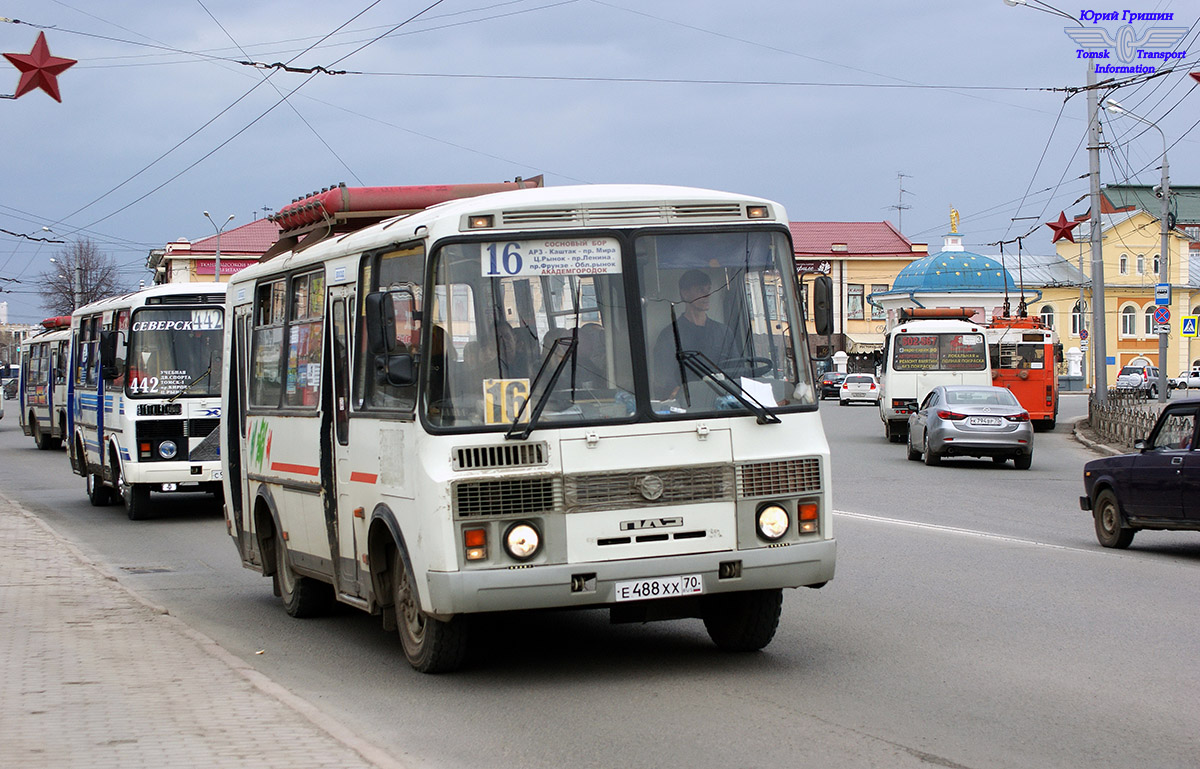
(958, 530)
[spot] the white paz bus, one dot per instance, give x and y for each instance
(42, 391)
(565, 397)
(928, 348)
(144, 393)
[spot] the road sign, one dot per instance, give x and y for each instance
(1083, 345)
(1162, 315)
(1162, 293)
(1162, 328)
(1083, 335)
(1187, 325)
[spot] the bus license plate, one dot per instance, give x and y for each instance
(984, 421)
(660, 587)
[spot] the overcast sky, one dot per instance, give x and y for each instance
(816, 105)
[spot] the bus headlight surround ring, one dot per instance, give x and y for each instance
(522, 540)
(168, 449)
(772, 521)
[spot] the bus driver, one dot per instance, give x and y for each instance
(697, 332)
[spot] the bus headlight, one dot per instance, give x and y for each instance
(167, 449)
(773, 522)
(522, 540)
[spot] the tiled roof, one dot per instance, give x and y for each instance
(253, 238)
(860, 239)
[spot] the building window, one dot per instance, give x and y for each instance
(1128, 321)
(854, 301)
(1149, 315)
(1156, 264)
(877, 312)
(1047, 313)
(1141, 264)
(1124, 269)
(1078, 318)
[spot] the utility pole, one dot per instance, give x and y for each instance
(78, 288)
(1099, 332)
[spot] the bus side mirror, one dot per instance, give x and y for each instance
(399, 370)
(108, 353)
(381, 323)
(823, 304)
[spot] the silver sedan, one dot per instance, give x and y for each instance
(971, 421)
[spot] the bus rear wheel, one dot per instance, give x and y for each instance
(431, 645)
(742, 622)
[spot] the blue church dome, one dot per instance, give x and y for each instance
(949, 271)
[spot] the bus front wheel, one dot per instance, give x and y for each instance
(136, 496)
(430, 645)
(98, 494)
(742, 622)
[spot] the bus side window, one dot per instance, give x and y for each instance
(267, 356)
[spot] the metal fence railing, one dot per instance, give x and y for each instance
(1126, 416)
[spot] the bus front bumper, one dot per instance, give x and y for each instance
(594, 583)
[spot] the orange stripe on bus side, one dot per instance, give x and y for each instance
(364, 477)
(298, 469)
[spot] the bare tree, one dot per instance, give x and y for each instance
(98, 276)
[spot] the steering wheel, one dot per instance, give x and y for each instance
(748, 366)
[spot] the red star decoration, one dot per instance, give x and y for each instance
(1062, 228)
(1195, 76)
(39, 69)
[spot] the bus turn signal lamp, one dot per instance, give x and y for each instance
(808, 517)
(475, 544)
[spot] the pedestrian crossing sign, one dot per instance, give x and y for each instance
(1187, 325)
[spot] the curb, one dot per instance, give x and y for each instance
(326, 723)
(1102, 448)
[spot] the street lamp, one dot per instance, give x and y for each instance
(1164, 275)
(217, 269)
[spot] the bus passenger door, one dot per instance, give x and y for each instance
(351, 525)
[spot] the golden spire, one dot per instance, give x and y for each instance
(953, 220)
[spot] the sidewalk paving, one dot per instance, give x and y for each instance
(93, 676)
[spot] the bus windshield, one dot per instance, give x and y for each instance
(175, 352)
(939, 352)
(542, 326)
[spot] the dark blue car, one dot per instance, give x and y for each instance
(1156, 488)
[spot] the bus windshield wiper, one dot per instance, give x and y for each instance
(570, 343)
(699, 363)
(191, 384)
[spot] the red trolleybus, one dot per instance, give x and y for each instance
(1024, 353)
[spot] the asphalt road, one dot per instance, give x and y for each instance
(974, 622)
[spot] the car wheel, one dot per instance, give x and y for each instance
(842, 402)
(1110, 528)
(742, 622)
(913, 454)
(1152, 393)
(430, 645)
(1024, 461)
(931, 457)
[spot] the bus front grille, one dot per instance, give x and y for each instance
(508, 496)
(587, 492)
(779, 478)
(202, 428)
